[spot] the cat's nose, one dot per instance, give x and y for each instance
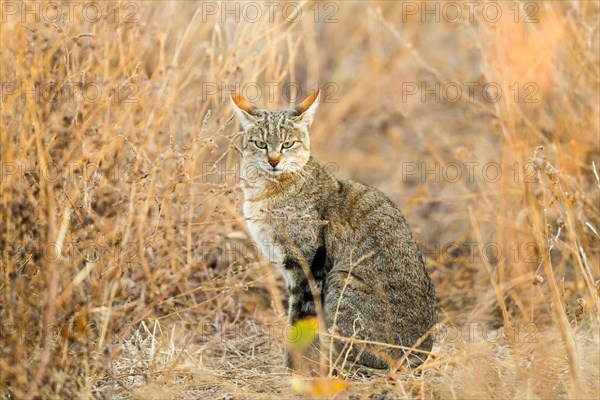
(273, 162)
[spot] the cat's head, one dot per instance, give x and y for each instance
(276, 142)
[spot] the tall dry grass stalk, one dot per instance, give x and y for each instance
(127, 270)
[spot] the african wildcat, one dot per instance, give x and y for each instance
(348, 239)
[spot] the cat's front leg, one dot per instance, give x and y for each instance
(296, 285)
(296, 297)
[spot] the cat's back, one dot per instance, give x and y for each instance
(363, 220)
(368, 213)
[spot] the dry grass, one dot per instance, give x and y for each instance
(157, 292)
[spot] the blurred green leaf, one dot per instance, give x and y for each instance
(302, 334)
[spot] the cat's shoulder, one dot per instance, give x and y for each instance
(357, 195)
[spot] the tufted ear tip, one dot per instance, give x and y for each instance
(307, 109)
(244, 109)
(240, 103)
(311, 100)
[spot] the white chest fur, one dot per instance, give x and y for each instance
(256, 219)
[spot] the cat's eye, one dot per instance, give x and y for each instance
(259, 144)
(287, 145)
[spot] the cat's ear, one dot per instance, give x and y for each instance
(243, 108)
(307, 109)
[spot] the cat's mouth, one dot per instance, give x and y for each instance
(274, 170)
(280, 169)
